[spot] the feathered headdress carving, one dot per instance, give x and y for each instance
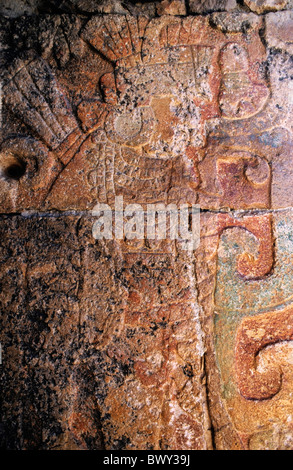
(127, 41)
(119, 38)
(31, 92)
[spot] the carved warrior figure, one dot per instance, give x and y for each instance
(149, 140)
(190, 93)
(154, 116)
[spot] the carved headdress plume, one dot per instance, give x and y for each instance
(33, 94)
(127, 41)
(117, 37)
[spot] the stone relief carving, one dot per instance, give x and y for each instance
(180, 110)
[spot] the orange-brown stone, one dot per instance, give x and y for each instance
(136, 343)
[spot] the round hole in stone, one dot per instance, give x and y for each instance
(13, 168)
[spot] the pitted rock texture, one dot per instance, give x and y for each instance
(97, 341)
(139, 343)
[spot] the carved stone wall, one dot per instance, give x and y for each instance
(139, 343)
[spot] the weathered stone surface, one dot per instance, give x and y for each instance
(208, 6)
(101, 343)
(14, 8)
(17, 8)
(139, 343)
(263, 6)
(102, 6)
(279, 30)
(171, 7)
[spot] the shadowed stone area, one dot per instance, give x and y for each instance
(135, 342)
